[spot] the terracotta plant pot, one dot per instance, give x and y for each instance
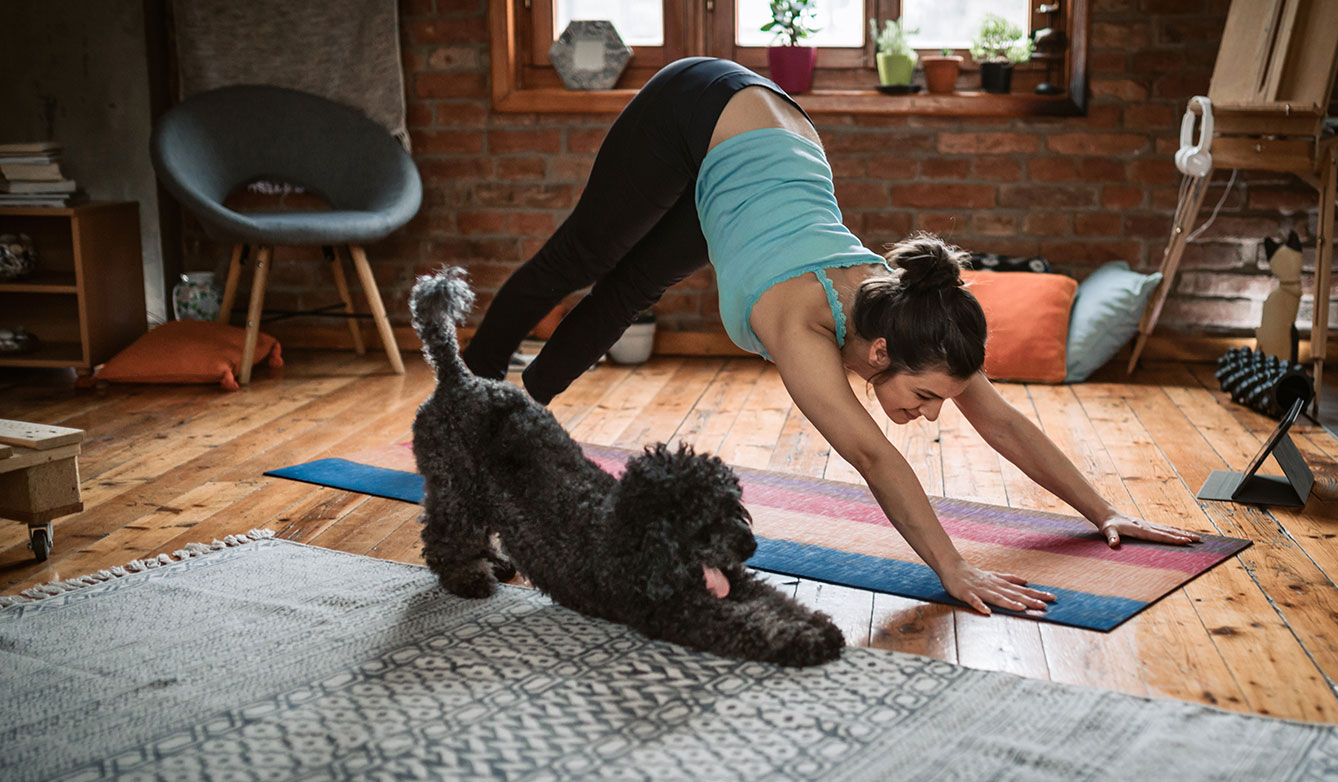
(792, 67)
(895, 68)
(996, 77)
(941, 73)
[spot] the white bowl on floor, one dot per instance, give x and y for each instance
(634, 346)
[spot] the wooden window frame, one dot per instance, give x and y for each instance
(524, 81)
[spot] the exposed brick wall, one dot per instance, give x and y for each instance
(1080, 191)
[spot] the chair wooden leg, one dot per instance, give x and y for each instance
(1319, 331)
(254, 311)
(378, 309)
(341, 283)
(230, 287)
(1170, 262)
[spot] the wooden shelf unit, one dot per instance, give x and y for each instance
(85, 301)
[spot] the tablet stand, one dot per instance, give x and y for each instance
(1292, 488)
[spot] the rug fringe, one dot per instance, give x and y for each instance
(136, 566)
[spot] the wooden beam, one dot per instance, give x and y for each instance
(40, 437)
(1296, 156)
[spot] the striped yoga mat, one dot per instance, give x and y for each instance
(835, 532)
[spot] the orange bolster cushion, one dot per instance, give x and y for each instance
(1027, 315)
(188, 351)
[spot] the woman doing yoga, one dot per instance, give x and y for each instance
(711, 162)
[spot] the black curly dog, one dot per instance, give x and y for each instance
(640, 551)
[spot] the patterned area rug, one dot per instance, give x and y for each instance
(835, 532)
(274, 660)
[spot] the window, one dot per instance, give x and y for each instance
(660, 31)
(840, 23)
(950, 23)
(639, 22)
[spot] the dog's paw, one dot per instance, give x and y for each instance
(475, 584)
(833, 639)
(502, 569)
(812, 643)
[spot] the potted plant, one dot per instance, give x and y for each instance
(791, 64)
(894, 55)
(997, 47)
(941, 71)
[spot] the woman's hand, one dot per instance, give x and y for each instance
(980, 589)
(1118, 525)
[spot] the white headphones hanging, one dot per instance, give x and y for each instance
(1193, 159)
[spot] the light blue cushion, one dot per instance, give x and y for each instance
(1106, 311)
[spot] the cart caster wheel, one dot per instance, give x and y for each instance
(40, 542)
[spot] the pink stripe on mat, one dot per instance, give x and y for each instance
(1120, 579)
(1089, 545)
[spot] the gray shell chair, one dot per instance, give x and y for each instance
(214, 142)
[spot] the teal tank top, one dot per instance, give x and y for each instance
(768, 211)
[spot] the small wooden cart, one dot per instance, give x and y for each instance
(39, 478)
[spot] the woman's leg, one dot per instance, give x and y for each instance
(640, 172)
(672, 250)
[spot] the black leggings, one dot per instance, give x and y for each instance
(634, 231)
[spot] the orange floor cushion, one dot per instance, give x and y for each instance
(188, 351)
(1028, 319)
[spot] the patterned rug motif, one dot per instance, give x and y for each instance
(835, 532)
(275, 660)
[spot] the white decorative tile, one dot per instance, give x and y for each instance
(590, 55)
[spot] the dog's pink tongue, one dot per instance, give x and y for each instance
(716, 583)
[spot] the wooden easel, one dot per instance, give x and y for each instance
(1270, 92)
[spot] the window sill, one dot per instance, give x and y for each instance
(957, 104)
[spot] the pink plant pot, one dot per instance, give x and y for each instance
(792, 67)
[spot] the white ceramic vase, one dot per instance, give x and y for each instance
(196, 297)
(634, 346)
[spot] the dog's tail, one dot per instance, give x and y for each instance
(437, 303)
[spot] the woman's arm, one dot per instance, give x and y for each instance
(810, 366)
(1021, 442)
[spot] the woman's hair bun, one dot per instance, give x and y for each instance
(927, 263)
(924, 310)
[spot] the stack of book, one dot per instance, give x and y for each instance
(30, 175)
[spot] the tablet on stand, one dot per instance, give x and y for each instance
(1249, 487)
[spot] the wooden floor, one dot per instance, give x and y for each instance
(164, 466)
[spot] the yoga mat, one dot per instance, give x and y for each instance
(835, 532)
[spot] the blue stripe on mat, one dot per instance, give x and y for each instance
(912, 579)
(804, 560)
(364, 478)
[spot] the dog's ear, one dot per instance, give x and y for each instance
(645, 484)
(654, 576)
(650, 509)
(1270, 246)
(648, 545)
